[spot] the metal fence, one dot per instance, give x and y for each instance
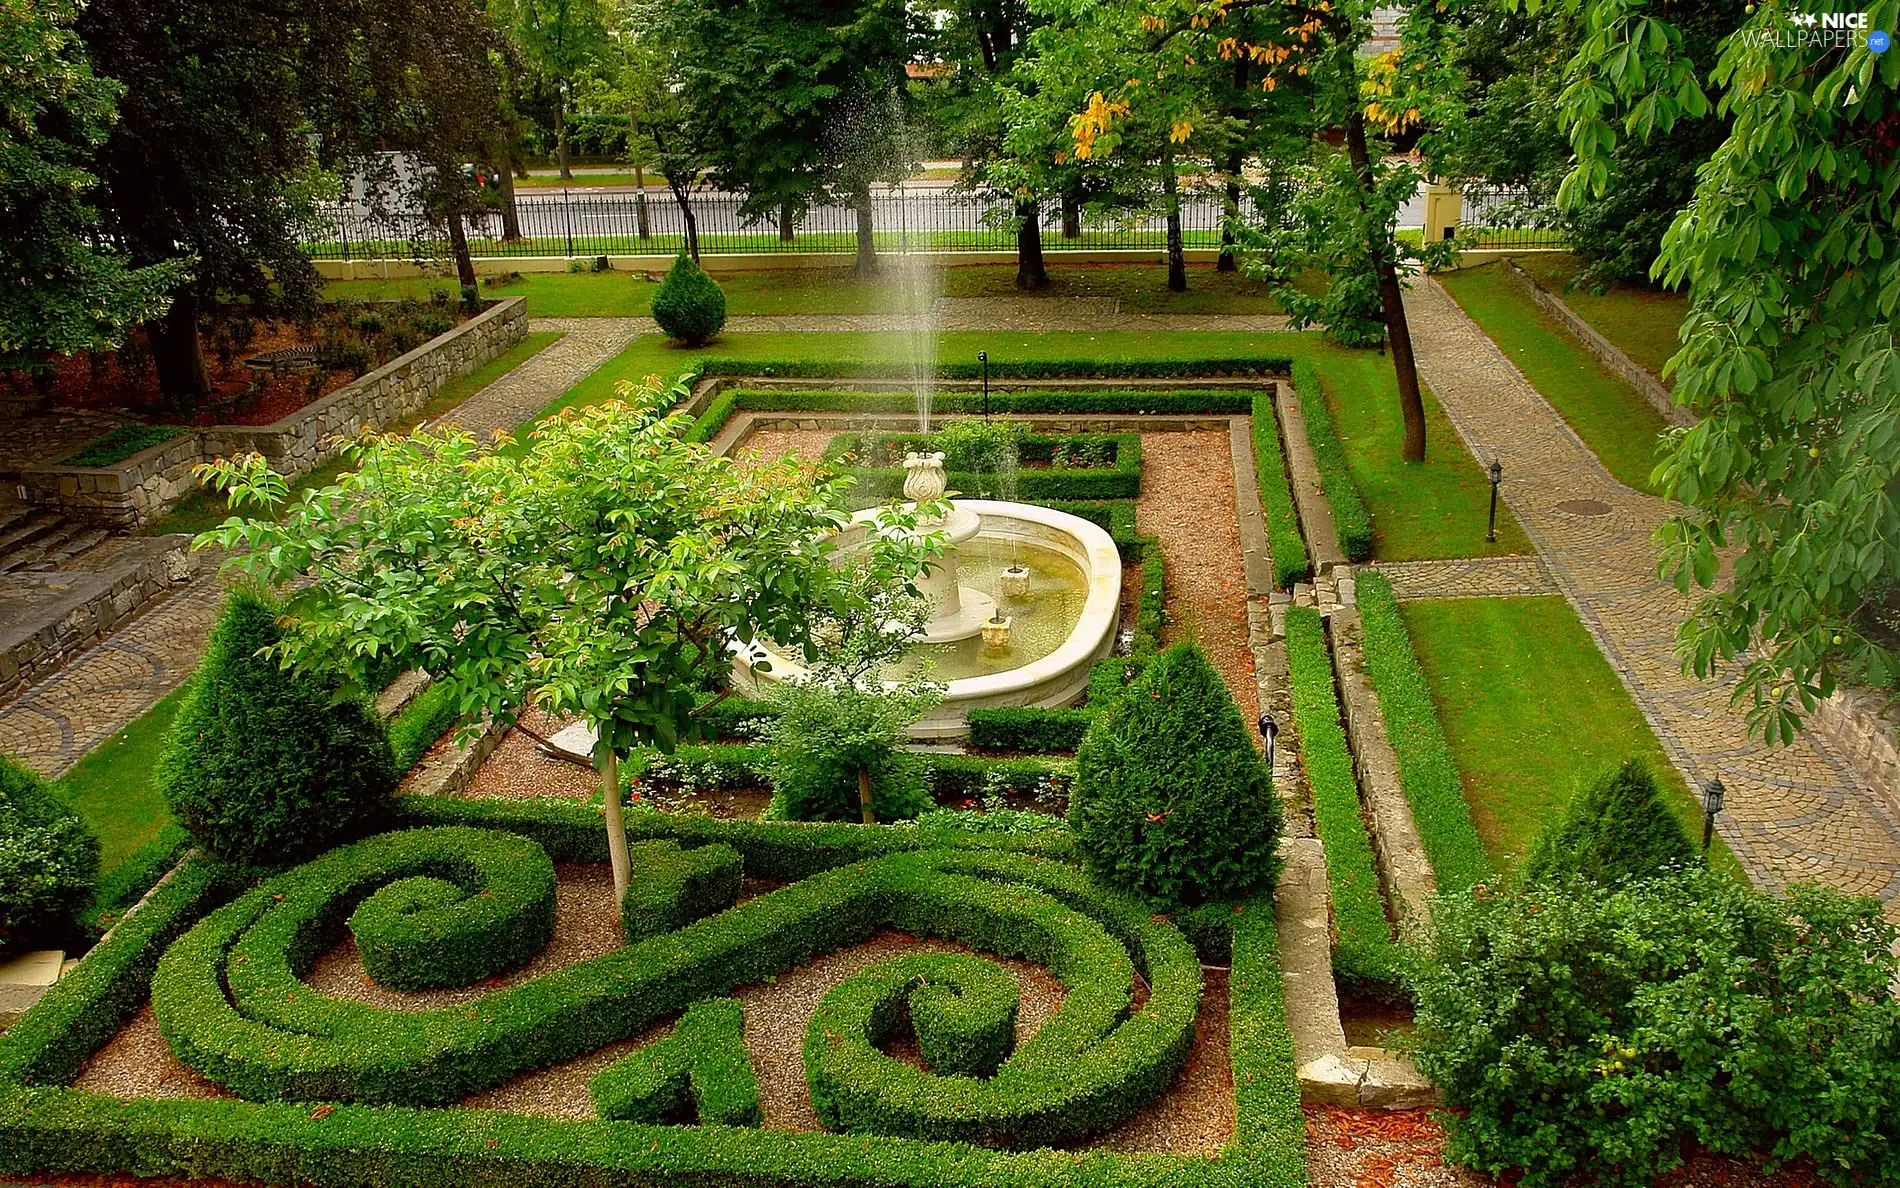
(592, 223)
(1509, 217)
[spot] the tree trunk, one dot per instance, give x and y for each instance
(177, 355)
(1391, 295)
(867, 247)
(1030, 271)
(510, 216)
(1071, 212)
(864, 795)
(1171, 202)
(616, 829)
(458, 244)
(560, 135)
(686, 214)
(1230, 205)
(787, 222)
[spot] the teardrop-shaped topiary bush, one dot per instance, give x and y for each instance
(689, 305)
(1171, 798)
(263, 765)
(49, 859)
(1614, 829)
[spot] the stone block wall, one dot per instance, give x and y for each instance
(1866, 728)
(138, 491)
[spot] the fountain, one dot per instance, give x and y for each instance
(1018, 632)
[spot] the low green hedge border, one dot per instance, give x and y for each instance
(136, 873)
(1351, 520)
(121, 442)
(947, 777)
(1363, 949)
(1427, 771)
(1235, 366)
(417, 725)
(702, 1065)
(1122, 480)
(677, 887)
(1211, 402)
(1290, 560)
(50, 1130)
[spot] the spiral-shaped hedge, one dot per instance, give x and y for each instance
(230, 1001)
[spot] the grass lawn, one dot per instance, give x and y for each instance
(112, 786)
(1531, 710)
(1613, 419)
(1432, 509)
(1138, 287)
(1640, 320)
(202, 510)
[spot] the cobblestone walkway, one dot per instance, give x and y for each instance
(57, 721)
(1793, 813)
(1475, 577)
(585, 344)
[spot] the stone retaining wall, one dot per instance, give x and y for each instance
(138, 491)
(93, 607)
(1866, 728)
(1607, 352)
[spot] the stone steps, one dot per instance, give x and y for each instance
(33, 540)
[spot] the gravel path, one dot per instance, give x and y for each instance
(1187, 498)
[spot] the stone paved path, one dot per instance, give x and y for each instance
(1473, 577)
(1793, 813)
(54, 723)
(585, 344)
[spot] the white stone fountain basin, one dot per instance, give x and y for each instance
(1059, 678)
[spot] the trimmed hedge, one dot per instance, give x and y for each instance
(716, 766)
(414, 730)
(1210, 402)
(50, 1130)
(136, 874)
(1291, 563)
(1200, 368)
(1427, 771)
(1119, 481)
(1363, 949)
(486, 904)
(676, 887)
(1028, 727)
(1351, 520)
(700, 1071)
(961, 1009)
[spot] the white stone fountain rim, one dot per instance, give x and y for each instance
(1101, 610)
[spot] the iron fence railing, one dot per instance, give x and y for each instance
(581, 223)
(1509, 217)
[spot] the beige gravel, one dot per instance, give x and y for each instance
(769, 445)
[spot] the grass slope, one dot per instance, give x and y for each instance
(1136, 287)
(1641, 321)
(1432, 509)
(1531, 710)
(1613, 419)
(112, 785)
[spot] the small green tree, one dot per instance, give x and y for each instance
(1171, 798)
(1616, 828)
(605, 571)
(265, 764)
(689, 305)
(49, 858)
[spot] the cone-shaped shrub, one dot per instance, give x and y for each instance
(1171, 799)
(265, 765)
(689, 305)
(49, 859)
(1614, 829)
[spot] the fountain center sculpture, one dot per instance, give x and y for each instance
(956, 611)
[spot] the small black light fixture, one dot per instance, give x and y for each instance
(1269, 730)
(1713, 793)
(983, 357)
(1497, 476)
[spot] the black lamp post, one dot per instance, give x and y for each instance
(1497, 476)
(1712, 795)
(1269, 730)
(983, 357)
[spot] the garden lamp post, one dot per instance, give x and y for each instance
(1269, 730)
(1712, 795)
(983, 357)
(1497, 476)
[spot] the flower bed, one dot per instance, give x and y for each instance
(1094, 1060)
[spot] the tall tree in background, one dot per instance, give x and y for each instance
(787, 102)
(60, 292)
(559, 40)
(1789, 353)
